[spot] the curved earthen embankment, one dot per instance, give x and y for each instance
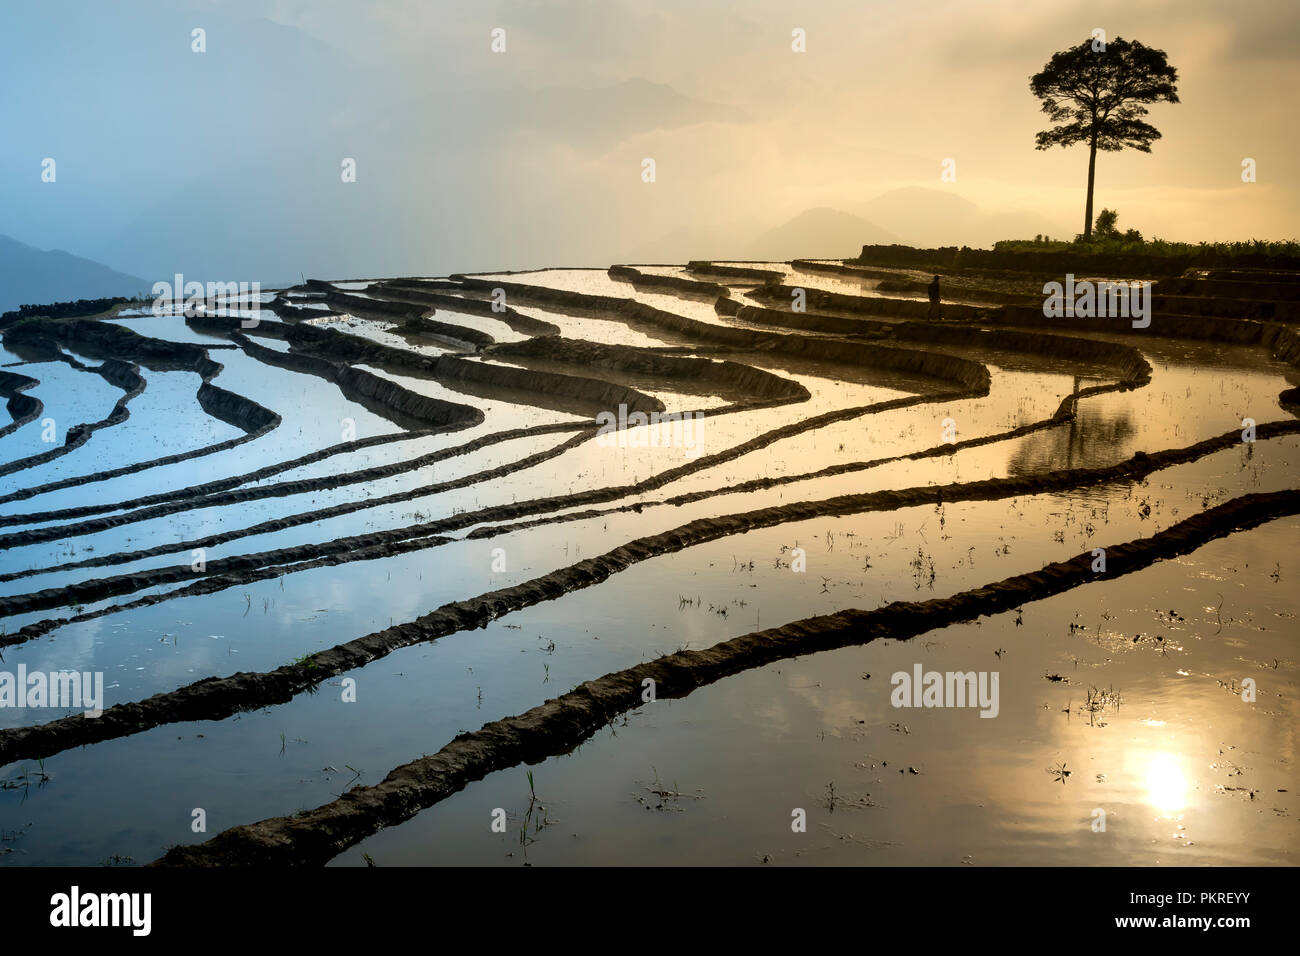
(953, 292)
(175, 502)
(946, 368)
(736, 274)
(286, 309)
(677, 285)
(862, 304)
(220, 573)
(226, 491)
(570, 393)
(421, 290)
(384, 397)
(457, 336)
(803, 321)
(895, 281)
(31, 492)
(1211, 328)
(1289, 274)
(106, 340)
(22, 408)
(732, 380)
(121, 348)
(762, 484)
(840, 269)
(1234, 286)
(100, 589)
(1282, 341)
(123, 375)
(556, 727)
(1222, 307)
(37, 535)
(1131, 368)
(382, 309)
(215, 698)
(398, 540)
(234, 409)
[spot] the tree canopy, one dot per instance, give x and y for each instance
(1103, 92)
(1097, 93)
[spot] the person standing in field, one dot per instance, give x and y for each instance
(934, 298)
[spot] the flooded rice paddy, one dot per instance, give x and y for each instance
(323, 562)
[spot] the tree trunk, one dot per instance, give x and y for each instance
(1092, 168)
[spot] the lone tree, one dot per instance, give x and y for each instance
(1096, 92)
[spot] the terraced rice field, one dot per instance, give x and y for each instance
(374, 580)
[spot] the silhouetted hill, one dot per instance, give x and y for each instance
(821, 233)
(933, 217)
(32, 276)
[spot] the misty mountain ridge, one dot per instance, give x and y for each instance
(30, 276)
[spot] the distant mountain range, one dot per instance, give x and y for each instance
(912, 215)
(821, 233)
(934, 217)
(33, 276)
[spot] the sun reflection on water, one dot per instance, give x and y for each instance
(1166, 783)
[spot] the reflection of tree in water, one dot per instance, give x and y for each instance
(1097, 437)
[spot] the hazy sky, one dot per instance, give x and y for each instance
(228, 161)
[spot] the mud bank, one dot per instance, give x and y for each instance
(100, 589)
(121, 348)
(289, 311)
(862, 304)
(123, 375)
(802, 321)
(384, 397)
(732, 380)
(556, 727)
(703, 268)
(22, 408)
(221, 573)
(394, 538)
(283, 489)
(382, 309)
(215, 698)
(945, 368)
(457, 336)
(1132, 369)
(105, 340)
(678, 285)
(1268, 286)
(1223, 307)
(1062, 415)
(1210, 328)
(569, 393)
(64, 310)
(417, 290)
(981, 298)
(24, 493)
(222, 492)
(1283, 342)
(839, 269)
(234, 409)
